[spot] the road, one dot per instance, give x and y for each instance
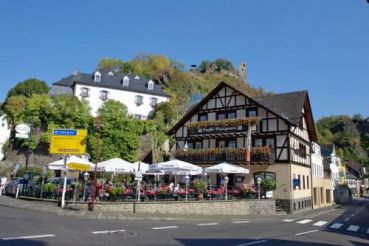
(347, 225)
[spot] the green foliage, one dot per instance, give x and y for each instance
(347, 133)
(119, 136)
(268, 184)
(49, 187)
(28, 88)
(200, 186)
(222, 63)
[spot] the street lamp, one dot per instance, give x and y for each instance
(226, 179)
(86, 175)
(138, 178)
(259, 182)
(98, 125)
(187, 178)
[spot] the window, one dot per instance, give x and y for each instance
(220, 116)
(125, 81)
(301, 123)
(299, 178)
(103, 95)
(301, 151)
(232, 143)
(97, 77)
(139, 100)
(202, 117)
(150, 85)
(258, 142)
(293, 183)
(198, 145)
(138, 116)
(137, 77)
(154, 101)
(84, 92)
(303, 182)
(270, 143)
(251, 112)
(231, 115)
(307, 181)
(221, 144)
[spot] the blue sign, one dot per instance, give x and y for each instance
(65, 132)
(296, 182)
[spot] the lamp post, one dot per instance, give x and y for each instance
(259, 182)
(43, 180)
(187, 178)
(86, 175)
(99, 125)
(226, 179)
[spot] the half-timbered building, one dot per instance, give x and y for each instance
(282, 128)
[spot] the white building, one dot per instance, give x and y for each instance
(4, 134)
(137, 93)
(317, 161)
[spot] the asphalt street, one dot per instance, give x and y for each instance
(347, 225)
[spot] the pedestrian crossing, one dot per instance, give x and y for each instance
(334, 225)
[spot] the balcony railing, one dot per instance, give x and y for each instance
(221, 126)
(234, 155)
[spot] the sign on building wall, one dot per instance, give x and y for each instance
(68, 141)
(296, 182)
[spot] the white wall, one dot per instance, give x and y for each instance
(317, 161)
(4, 134)
(128, 98)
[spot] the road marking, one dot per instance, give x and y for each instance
(29, 237)
(367, 231)
(164, 227)
(353, 228)
(306, 232)
(320, 223)
(241, 221)
(256, 242)
(208, 224)
(336, 226)
(352, 215)
(106, 232)
(347, 219)
(304, 221)
(288, 220)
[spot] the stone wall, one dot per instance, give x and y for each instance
(244, 207)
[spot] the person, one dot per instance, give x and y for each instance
(171, 186)
(2, 184)
(175, 192)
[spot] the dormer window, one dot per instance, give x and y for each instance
(125, 81)
(150, 85)
(97, 77)
(137, 77)
(111, 73)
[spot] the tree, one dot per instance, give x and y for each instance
(204, 65)
(119, 136)
(110, 63)
(28, 88)
(223, 63)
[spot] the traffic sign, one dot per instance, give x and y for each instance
(68, 141)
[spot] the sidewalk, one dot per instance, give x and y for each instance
(51, 207)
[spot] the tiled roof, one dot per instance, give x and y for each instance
(113, 81)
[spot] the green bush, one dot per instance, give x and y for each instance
(49, 187)
(268, 184)
(201, 186)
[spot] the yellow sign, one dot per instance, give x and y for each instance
(68, 141)
(79, 167)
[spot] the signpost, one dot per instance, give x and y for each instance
(68, 141)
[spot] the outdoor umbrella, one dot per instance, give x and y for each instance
(116, 165)
(176, 167)
(143, 166)
(73, 163)
(225, 167)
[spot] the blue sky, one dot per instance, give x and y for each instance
(321, 46)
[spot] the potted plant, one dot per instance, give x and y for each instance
(200, 187)
(268, 184)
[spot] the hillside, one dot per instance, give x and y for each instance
(349, 134)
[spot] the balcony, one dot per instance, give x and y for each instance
(233, 155)
(221, 126)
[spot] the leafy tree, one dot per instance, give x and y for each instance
(223, 63)
(28, 88)
(110, 63)
(119, 136)
(204, 65)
